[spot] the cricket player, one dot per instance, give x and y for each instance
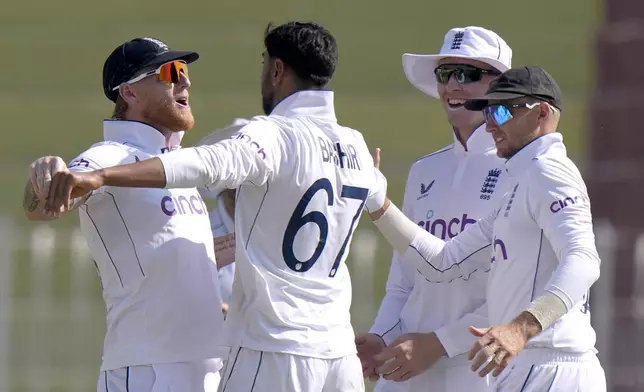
(424, 324)
(543, 256)
(302, 181)
(152, 247)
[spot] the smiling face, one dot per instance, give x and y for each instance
(161, 104)
(454, 94)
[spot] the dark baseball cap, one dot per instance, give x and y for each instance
(133, 56)
(526, 81)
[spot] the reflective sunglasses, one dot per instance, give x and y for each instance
(462, 72)
(168, 72)
(501, 114)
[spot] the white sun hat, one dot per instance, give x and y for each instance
(472, 42)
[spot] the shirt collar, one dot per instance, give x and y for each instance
(314, 103)
(140, 135)
(479, 141)
(520, 161)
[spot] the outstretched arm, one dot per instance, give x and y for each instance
(436, 260)
(251, 156)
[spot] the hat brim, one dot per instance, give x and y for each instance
(478, 104)
(172, 55)
(419, 69)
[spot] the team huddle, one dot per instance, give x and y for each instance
(494, 252)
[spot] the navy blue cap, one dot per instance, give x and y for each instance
(133, 56)
(525, 81)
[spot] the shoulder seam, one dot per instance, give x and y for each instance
(444, 149)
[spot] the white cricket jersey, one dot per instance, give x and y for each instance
(302, 181)
(446, 192)
(542, 228)
(155, 255)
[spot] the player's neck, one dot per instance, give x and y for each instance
(134, 117)
(464, 133)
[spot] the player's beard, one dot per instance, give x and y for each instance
(166, 115)
(268, 102)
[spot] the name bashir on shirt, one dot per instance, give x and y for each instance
(343, 155)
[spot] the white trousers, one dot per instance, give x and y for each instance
(544, 370)
(260, 371)
(198, 376)
(439, 379)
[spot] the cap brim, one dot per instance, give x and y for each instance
(419, 69)
(173, 55)
(479, 103)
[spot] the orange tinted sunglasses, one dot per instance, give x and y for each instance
(168, 72)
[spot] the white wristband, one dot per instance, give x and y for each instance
(397, 229)
(547, 309)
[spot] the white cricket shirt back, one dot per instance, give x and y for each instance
(292, 291)
(155, 255)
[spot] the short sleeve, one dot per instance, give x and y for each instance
(99, 156)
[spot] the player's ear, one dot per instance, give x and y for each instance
(277, 71)
(127, 93)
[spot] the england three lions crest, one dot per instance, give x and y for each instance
(490, 184)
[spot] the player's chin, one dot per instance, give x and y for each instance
(183, 120)
(504, 152)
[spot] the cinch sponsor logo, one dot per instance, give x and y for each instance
(183, 205)
(254, 144)
(560, 204)
(498, 249)
(445, 228)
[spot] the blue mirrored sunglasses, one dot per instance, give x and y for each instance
(501, 114)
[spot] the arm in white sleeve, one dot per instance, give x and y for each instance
(559, 203)
(455, 336)
(400, 282)
(251, 156)
(440, 261)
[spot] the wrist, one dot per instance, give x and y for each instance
(380, 212)
(384, 344)
(528, 324)
(436, 343)
(103, 174)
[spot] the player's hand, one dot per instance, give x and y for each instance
(376, 158)
(224, 307)
(496, 347)
(369, 345)
(66, 186)
(41, 172)
(410, 355)
(377, 201)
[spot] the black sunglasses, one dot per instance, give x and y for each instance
(462, 72)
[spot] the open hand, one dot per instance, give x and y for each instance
(495, 347)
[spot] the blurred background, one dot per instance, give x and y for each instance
(51, 103)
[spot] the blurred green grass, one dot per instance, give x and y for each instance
(51, 99)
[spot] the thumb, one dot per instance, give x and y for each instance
(478, 332)
(376, 158)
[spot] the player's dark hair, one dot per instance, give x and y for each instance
(120, 108)
(307, 48)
